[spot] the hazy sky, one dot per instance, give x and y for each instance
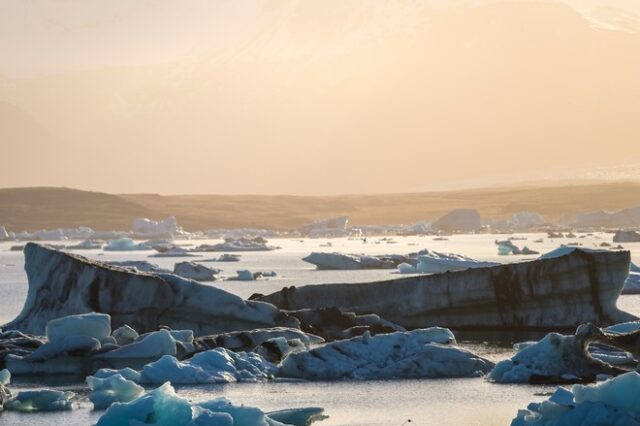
(315, 97)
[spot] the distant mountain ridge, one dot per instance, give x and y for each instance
(48, 208)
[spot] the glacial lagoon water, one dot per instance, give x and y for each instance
(441, 402)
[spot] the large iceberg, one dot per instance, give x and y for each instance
(62, 284)
(560, 292)
(163, 407)
(424, 353)
(612, 402)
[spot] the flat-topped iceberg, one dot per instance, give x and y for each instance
(353, 261)
(612, 402)
(163, 407)
(238, 244)
(62, 284)
(426, 353)
(561, 292)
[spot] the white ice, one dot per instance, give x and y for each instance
(415, 354)
(164, 407)
(612, 402)
(106, 391)
(40, 400)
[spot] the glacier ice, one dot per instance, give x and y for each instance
(40, 400)
(422, 353)
(62, 284)
(106, 391)
(213, 366)
(164, 407)
(612, 402)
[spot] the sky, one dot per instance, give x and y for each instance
(316, 97)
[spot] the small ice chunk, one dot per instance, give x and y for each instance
(40, 400)
(116, 388)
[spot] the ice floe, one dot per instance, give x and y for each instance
(423, 353)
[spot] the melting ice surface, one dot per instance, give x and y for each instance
(431, 402)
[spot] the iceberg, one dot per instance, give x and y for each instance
(40, 400)
(163, 407)
(116, 388)
(62, 284)
(139, 266)
(342, 261)
(423, 353)
(237, 244)
(86, 245)
(433, 262)
(125, 244)
(147, 227)
(195, 271)
(568, 359)
(213, 366)
(613, 402)
(578, 287)
(217, 365)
